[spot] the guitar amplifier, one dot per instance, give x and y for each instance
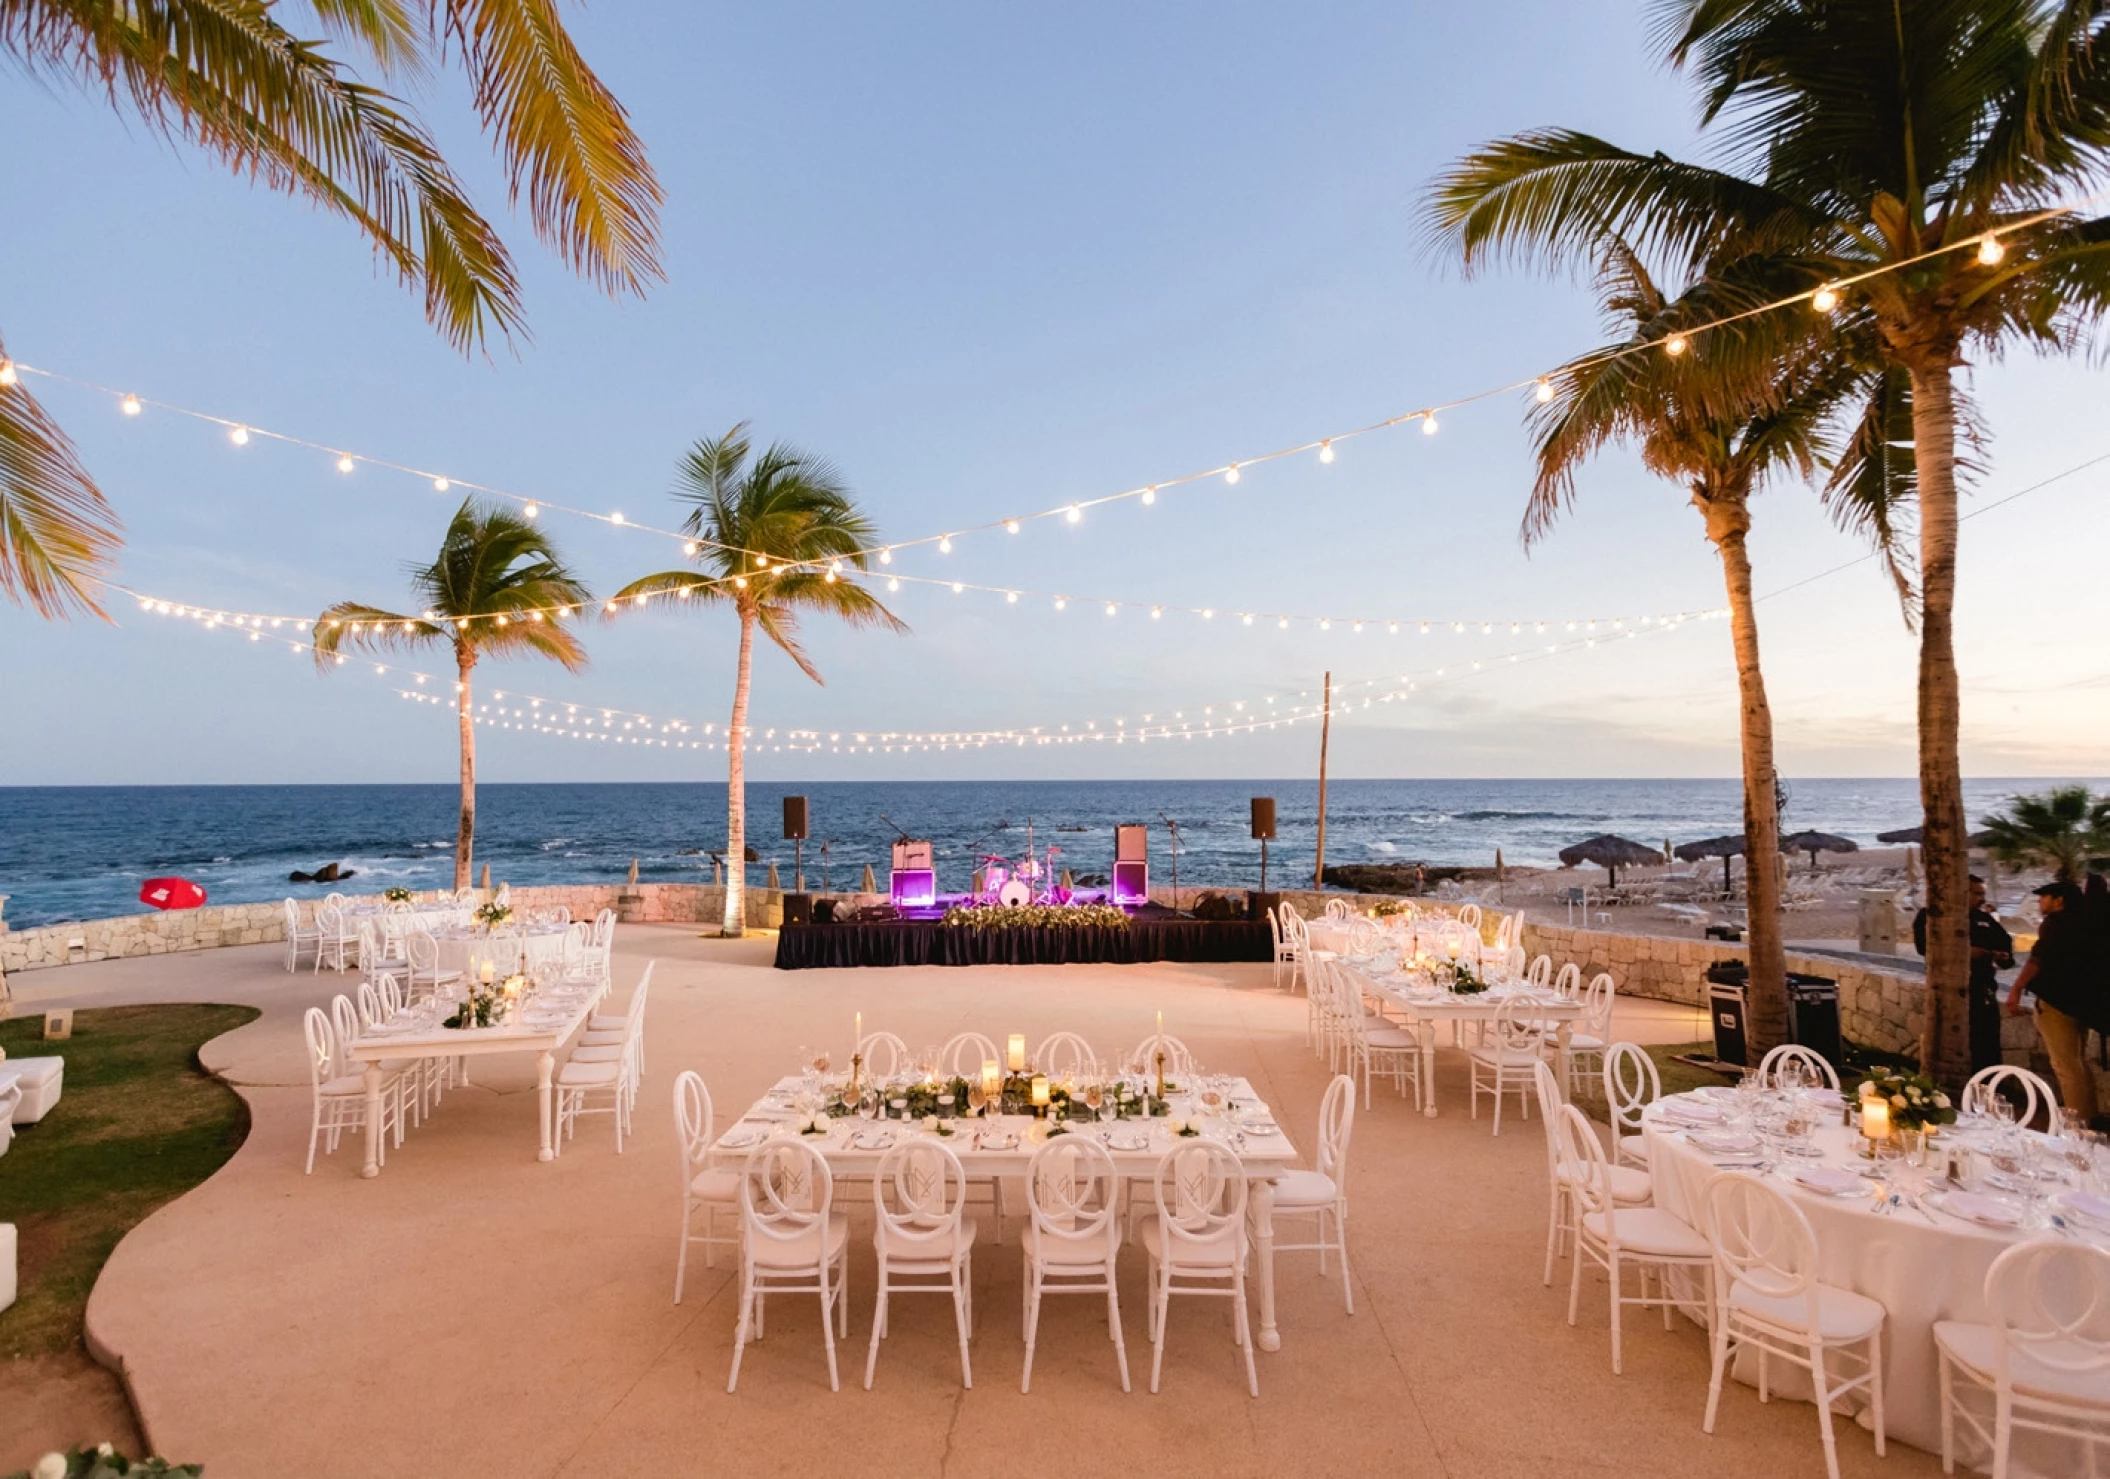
(913, 888)
(1131, 883)
(912, 853)
(1131, 843)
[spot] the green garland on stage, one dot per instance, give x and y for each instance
(1036, 916)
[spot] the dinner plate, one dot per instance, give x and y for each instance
(996, 1140)
(1691, 1114)
(2087, 1206)
(1259, 1127)
(1971, 1207)
(1829, 1181)
(1130, 1141)
(1723, 1142)
(741, 1139)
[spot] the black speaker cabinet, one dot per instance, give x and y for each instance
(794, 818)
(1263, 817)
(798, 908)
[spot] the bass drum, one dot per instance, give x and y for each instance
(1017, 893)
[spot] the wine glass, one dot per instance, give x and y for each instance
(868, 1105)
(1094, 1096)
(820, 1061)
(977, 1096)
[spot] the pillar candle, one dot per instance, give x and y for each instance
(1875, 1119)
(1018, 1051)
(858, 1041)
(992, 1079)
(1040, 1091)
(485, 977)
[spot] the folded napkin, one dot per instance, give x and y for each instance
(1990, 1211)
(1689, 1113)
(2087, 1204)
(1724, 1141)
(1830, 1180)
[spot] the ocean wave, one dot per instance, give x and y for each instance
(1384, 847)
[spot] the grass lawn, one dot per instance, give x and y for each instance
(139, 1124)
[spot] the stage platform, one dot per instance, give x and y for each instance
(927, 942)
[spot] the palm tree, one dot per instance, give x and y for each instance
(497, 589)
(232, 78)
(1702, 423)
(2063, 828)
(771, 536)
(1926, 141)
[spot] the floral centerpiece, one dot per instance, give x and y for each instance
(1916, 1101)
(101, 1462)
(494, 914)
(396, 895)
(1036, 916)
(486, 1003)
(1465, 981)
(1386, 908)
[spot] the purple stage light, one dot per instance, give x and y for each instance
(914, 888)
(1131, 886)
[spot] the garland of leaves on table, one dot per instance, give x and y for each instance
(1123, 1101)
(1036, 916)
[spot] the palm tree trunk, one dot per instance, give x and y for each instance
(1728, 522)
(465, 837)
(735, 923)
(1945, 1042)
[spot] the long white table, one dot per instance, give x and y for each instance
(427, 1039)
(1417, 998)
(1920, 1263)
(1265, 1158)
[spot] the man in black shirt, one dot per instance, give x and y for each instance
(2058, 971)
(1992, 950)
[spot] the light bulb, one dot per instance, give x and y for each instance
(440, 485)
(1231, 473)
(886, 557)
(528, 511)
(1207, 614)
(829, 578)
(129, 405)
(689, 547)
(1283, 624)
(1326, 451)
(1545, 391)
(345, 463)
(1156, 612)
(1428, 423)
(1248, 618)
(239, 436)
(615, 518)
(957, 587)
(1674, 345)
(1062, 603)
(1825, 299)
(893, 583)
(945, 545)
(1150, 494)
(7, 372)
(1990, 251)
(1325, 623)
(1074, 513)
(739, 582)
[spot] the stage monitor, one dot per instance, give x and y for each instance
(1131, 843)
(913, 853)
(913, 888)
(794, 818)
(1131, 884)
(1263, 817)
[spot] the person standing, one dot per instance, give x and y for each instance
(2061, 974)
(1992, 951)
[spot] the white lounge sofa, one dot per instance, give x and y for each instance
(40, 1080)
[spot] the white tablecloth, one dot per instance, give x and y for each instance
(1920, 1266)
(466, 950)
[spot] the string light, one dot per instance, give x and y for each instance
(945, 545)
(1326, 450)
(1231, 473)
(7, 373)
(1675, 345)
(1428, 423)
(1075, 514)
(239, 436)
(1150, 495)
(1011, 526)
(1825, 299)
(440, 485)
(129, 405)
(615, 518)
(1544, 391)
(1990, 250)
(345, 463)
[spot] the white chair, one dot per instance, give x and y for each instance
(2036, 1095)
(1322, 1193)
(1812, 1066)
(921, 1235)
(1196, 1242)
(422, 955)
(598, 959)
(1646, 1239)
(964, 1054)
(1366, 1045)
(298, 935)
(1567, 981)
(1469, 916)
(704, 1188)
(1285, 957)
(1539, 974)
(335, 941)
(1337, 910)
(338, 1088)
(1072, 1236)
(886, 1055)
(1631, 1085)
(1590, 1036)
(591, 1072)
(1629, 1187)
(792, 1241)
(1502, 1063)
(11, 1100)
(2044, 1358)
(1179, 1063)
(1066, 1056)
(605, 1029)
(401, 1078)
(1767, 1298)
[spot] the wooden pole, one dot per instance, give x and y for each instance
(1318, 872)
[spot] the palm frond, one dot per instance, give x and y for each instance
(592, 195)
(356, 626)
(58, 537)
(392, 32)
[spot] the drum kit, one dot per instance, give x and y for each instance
(1030, 879)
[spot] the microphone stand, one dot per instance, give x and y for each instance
(1174, 828)
(824, 863)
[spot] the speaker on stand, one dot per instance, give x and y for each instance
(1263, 831)
(798, 904)
(1131, 880)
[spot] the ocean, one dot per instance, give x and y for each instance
(81, 852)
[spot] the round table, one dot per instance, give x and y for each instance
(1921, 1264)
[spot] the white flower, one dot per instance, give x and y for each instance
(930, 1122)
(105, 1449)
(1897, 1101)
(1941, 1101)
(50, 1466)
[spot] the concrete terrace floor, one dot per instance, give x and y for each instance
(475, 1310)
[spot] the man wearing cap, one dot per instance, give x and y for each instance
(2058, 972)
(1992, 951)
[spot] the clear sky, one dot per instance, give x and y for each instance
(988, 261)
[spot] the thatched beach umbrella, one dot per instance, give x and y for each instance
(1814, 843)
(1912, 835)
(871, 884)
(1611, 854)
(1724, 848)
